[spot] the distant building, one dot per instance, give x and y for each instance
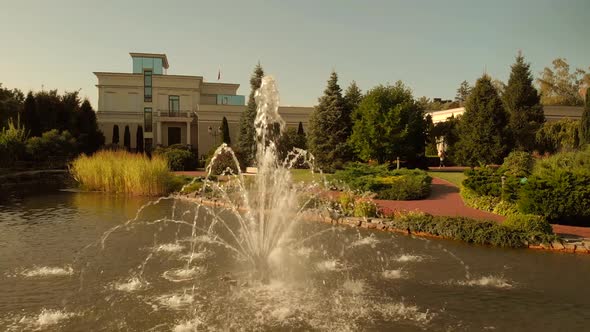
(552, 113)
(172, 109)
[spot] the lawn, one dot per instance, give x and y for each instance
(305, 175)
(453, 177)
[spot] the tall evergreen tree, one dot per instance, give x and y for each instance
(127, 138)
(301, 140)
(225, 132)
(90, 138)
(352, 99)
(29, 117)
(247, 140)
(139, 139)
(115, 139)
(585, 121)
(300, 130)
(328, 130)
(482, 129)
(523, 105)
(463, 93)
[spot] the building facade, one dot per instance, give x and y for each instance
(552, 113)
(150, 107)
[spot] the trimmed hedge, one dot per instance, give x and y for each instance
(529, 223)
(402, 184)
(180, 157)
(471, 230)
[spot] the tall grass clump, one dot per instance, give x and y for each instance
(123, 172)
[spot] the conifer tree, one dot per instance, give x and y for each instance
(523, 105)
(115, 139)
(463, 93)
(225, 132)
(585, 121)
(482, 129)
(328, 131)
(29, 117)
(247, 140)
(139, 139)
(127, 138)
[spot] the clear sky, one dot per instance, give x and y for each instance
(430, 45)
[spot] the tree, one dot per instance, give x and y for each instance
(11, 104)
(463, 92)
(562, 135)
(390, 124)
(247, 140)
(430, 137)
(585, 121)
(352, 99)
(482, 129)
(29, 116)
(301, 138)
(127, 138)
(225, 132)
(115, 139)
(560, 87)
(90, 138)
(328, 128)
(523, 105)
(139, 139)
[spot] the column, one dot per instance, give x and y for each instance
(188, 133)
(159, 132)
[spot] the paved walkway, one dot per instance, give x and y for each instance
(445, 200)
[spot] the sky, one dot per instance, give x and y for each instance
(429, 45)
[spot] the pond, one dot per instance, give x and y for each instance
(57, 274)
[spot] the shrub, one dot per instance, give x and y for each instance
(562, 197)
(222, 163)
(180, 157)
(51, 144)
(123, 172)
(517, 164)
(400, 184)
(529, 223)
(12, 143)
(484, 181)
(365, 208)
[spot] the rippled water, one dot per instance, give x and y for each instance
(343, 279)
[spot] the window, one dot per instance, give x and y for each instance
(173, 105)
(147, 85)
(147, 119)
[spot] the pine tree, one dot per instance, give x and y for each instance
(90, 138)
(139, 139)
(523, 105)
(225, 132)
(300, 130)
(328, 131)
(247, 140)
(127, 138)
(585, 121)
(301, 140)
(115, 139)
(29, 117)
(463, 93)
(482, 129)
(352, 99)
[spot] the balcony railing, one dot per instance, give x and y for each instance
(176, 114)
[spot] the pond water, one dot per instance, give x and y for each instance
(55, 275)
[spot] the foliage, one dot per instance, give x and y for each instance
(222, 163)
(247, 140)
(463, 93)
(484, 181)
(436, 104)
(585, 121)
(127, 138)
(180, 157)
(225, 132)
(51, 144)
(448, 129)
(522, 102)
(115, 139)
(11, 104)
(481, 202)
(400, 184)
(430, 137)
(352, 98)
(518, 164)
(481, 232)
(12, 143)
(290, 139)
(389, 124)
(482, 130)
(562, 135)
(559, 188)
(89, 137)
(122, 172)
(329, 116)
(138, 139)
(560, 87)
(529, 223)
(364, 208)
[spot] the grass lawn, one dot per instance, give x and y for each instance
(453, 177)
(305, 175)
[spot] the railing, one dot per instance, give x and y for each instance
(176, 114)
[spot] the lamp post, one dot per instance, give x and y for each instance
(214, 133)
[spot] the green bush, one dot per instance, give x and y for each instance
(517, 164)
(51, 144)
(529, 223)
(224, 163)
(562, 197)
(470, 230)
(12, 143)
(402, 184)
(365, 208)
(484, 181)
(180, 157)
